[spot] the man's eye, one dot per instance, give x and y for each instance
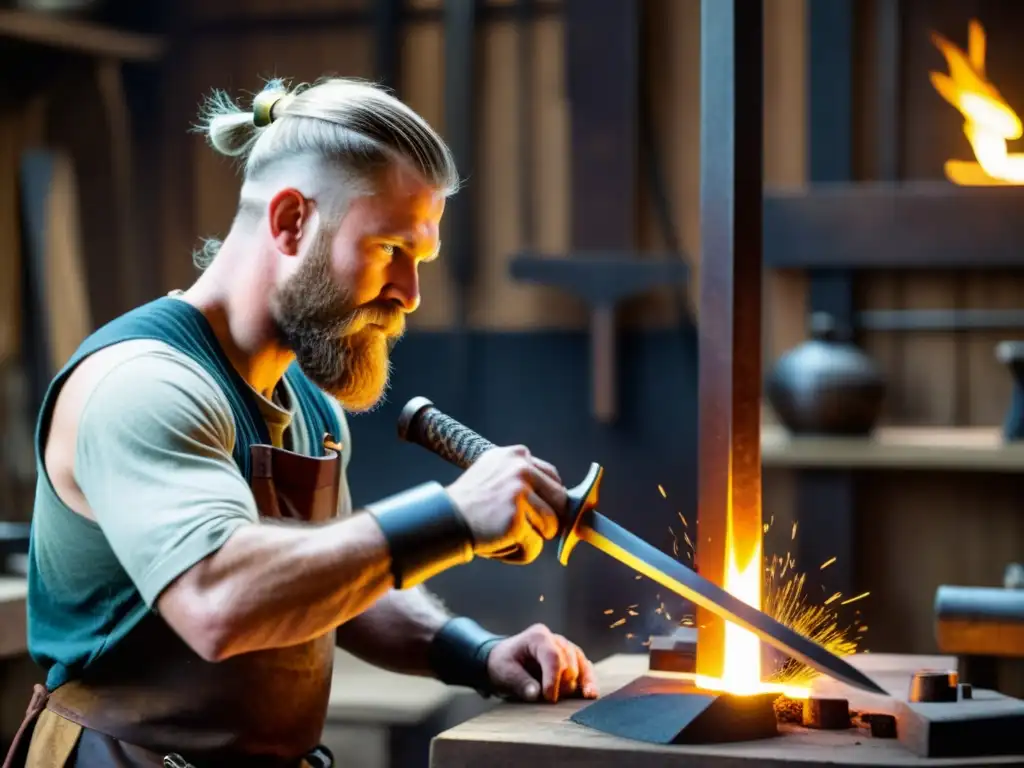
(388, 250)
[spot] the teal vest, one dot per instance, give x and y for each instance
(70, 629)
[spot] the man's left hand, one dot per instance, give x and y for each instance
(536, 663)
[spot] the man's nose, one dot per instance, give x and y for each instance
(403, 286)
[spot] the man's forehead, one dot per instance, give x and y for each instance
(393, 211)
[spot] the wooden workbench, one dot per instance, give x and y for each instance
(13, 591)
(536, 735)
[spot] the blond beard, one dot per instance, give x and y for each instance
(343, 349)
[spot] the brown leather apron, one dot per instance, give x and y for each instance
(153, 695)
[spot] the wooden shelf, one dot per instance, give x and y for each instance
(974, 449)
(62, 33)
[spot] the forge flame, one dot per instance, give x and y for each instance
(989, 121)
(742, 659)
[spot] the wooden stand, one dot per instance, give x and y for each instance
(536, 734)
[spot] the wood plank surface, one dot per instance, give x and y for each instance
(521, 734)
(957, 449)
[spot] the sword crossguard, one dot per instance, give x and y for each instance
(422, 423)
(582, 499)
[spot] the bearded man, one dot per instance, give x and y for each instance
(194, 557)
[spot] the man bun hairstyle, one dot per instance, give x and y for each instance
(330, 139)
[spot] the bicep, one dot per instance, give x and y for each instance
(153, 460)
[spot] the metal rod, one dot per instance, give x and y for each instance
(940, 319)
(459, 229)
(524, 107)
(603, 348)
(387, 53)
(729, 474)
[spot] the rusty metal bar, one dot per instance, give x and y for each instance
(729, 460)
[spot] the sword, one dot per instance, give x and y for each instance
(421, 423)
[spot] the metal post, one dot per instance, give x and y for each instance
(729, 473)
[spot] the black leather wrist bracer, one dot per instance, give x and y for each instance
(426, 533)
(458, 654)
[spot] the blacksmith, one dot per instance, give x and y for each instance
(194, 555)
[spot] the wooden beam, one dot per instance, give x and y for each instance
(907, 225)
(294, 21)
(62, 33)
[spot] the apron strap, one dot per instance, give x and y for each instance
(19, 747)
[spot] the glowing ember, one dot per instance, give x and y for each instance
(989, 121)
(855, 599)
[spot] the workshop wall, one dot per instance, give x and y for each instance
(529, 351)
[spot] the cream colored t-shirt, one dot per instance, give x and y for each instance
(154, 460)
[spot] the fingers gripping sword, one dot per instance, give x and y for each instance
(423, 424)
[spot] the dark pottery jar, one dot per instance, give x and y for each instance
(827, 385)
(1011, 354)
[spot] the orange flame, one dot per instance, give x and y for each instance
(989, 121)
(743, 578)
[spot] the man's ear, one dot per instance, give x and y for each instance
(287, 213)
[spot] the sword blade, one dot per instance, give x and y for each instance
(630, 550)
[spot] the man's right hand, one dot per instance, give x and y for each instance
(512, 502)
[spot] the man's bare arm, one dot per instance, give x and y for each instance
(396, 632)
(154, 467)
(271, 586)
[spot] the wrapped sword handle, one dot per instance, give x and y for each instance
(423, 424)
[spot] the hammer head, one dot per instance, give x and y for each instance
(581, 499)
